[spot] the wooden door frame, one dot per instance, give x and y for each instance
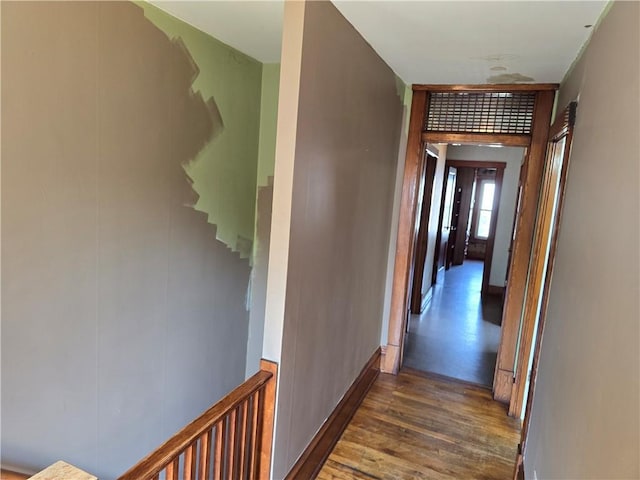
(418, 303)
(561, 128)
(536, 144)
(488, 255)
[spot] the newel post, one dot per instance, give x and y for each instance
(268, 416)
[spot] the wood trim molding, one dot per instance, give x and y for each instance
(518, 469)
(532, 170)
(476, 164)
(565, 127)
(429, 171)
(505, 139)
(11, 475)
(427, 299)
(406, 234)
(523, 242)
(495, 290)
(268, 418)
(312, 459)
(489, 87)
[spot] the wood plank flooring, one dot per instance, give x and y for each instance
(420, 426)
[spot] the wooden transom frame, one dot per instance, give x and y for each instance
(535, 144)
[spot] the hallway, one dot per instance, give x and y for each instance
(416, 426)
(457, 335)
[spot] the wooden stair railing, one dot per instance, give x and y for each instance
(10, 475)
(231, 440)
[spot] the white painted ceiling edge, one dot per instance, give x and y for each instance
(250, 26)
(467, 42)
(463, 42)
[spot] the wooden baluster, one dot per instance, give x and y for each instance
(189, 470)
(219, 450)
(258, 448)
(231, 445)
(205, 456)
(242, 440)
(237, 452)
(173, 469)
(253, 453)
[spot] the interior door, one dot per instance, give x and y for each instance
(420, 288)
(464, 189)
(455, 223)
(446, 215)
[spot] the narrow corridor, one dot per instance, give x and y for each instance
(416, 426)
(458, 334)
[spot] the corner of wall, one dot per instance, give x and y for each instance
(406, 94)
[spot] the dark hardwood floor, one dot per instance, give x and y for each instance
(419, 426)
(458, 334)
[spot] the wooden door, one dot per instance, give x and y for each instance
(446, 214)
(464, 188)
(455, 224)
(420, 288)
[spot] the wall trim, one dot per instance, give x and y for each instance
(495, 290)
(518, 470)
(321, 445)
(425, 301)
(476, 164)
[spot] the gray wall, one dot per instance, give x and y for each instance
(348, 127)
(122, 315)
(585, 421)
(513, 156)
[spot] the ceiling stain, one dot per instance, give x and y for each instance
(509, 78)
(498, 57)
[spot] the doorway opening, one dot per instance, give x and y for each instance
(461, 257)
(500, 115)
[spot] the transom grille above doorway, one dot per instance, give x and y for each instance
(480, 112)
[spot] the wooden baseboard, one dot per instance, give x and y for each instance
(426, 300)
(312, 459)
(495, 290)
(502, 385)
(518, 470)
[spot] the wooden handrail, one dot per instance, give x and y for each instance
(231, 437)
(10, 475)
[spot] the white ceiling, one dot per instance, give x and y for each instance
(424, 41)
(459, 42)
(253, 27)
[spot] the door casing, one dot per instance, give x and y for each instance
(535, 144)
